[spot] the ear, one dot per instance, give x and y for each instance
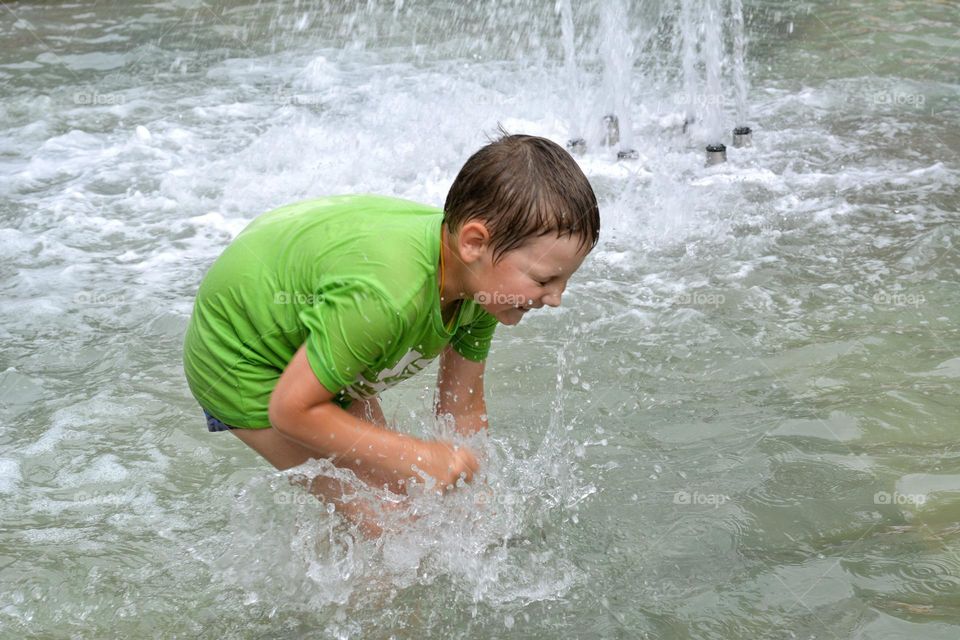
(472, 241)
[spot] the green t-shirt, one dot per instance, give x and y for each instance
(353, 277)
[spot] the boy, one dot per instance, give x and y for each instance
(317, 307)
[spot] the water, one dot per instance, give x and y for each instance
(616, 49)
(738, 58)
(572, 80)
(741, 423)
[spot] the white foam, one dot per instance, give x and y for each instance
(10, 476)
(216, 220)
(319, 74)
(47, 441)
(731, 174)
(100, 469)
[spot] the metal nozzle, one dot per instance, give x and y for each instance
(627, 154)
(611, 134)
(716, 154)
(577, 146)
(742, 137)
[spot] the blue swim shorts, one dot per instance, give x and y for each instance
(214, 424)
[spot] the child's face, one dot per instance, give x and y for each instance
(527, 278)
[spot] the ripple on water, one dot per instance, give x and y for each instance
(911, 570)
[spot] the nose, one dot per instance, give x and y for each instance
(552, 298)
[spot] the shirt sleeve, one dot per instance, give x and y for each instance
(472, 341)
(350, 328)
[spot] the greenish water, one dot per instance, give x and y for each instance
(741, 424)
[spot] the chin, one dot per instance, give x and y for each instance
(509, 316)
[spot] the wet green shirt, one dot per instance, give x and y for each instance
(353, 277)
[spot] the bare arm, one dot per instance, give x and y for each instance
(302, 410)
(368, 410)
(460, 392)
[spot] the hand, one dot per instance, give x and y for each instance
(446, 463)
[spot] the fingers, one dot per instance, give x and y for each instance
(450, 464)
(466, 463)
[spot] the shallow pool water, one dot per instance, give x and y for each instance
(742, 422)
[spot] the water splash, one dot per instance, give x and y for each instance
(738, 64)
(617, 53)
(688, 44)
(570, 65)
(704, 26)
(712, 50)
(494, 542)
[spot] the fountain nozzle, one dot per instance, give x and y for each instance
(577, 146)
(716, 154)
(742, 137)
(611, 135)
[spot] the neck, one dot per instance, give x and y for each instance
(452, 290)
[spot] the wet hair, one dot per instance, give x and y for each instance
(522, 187)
